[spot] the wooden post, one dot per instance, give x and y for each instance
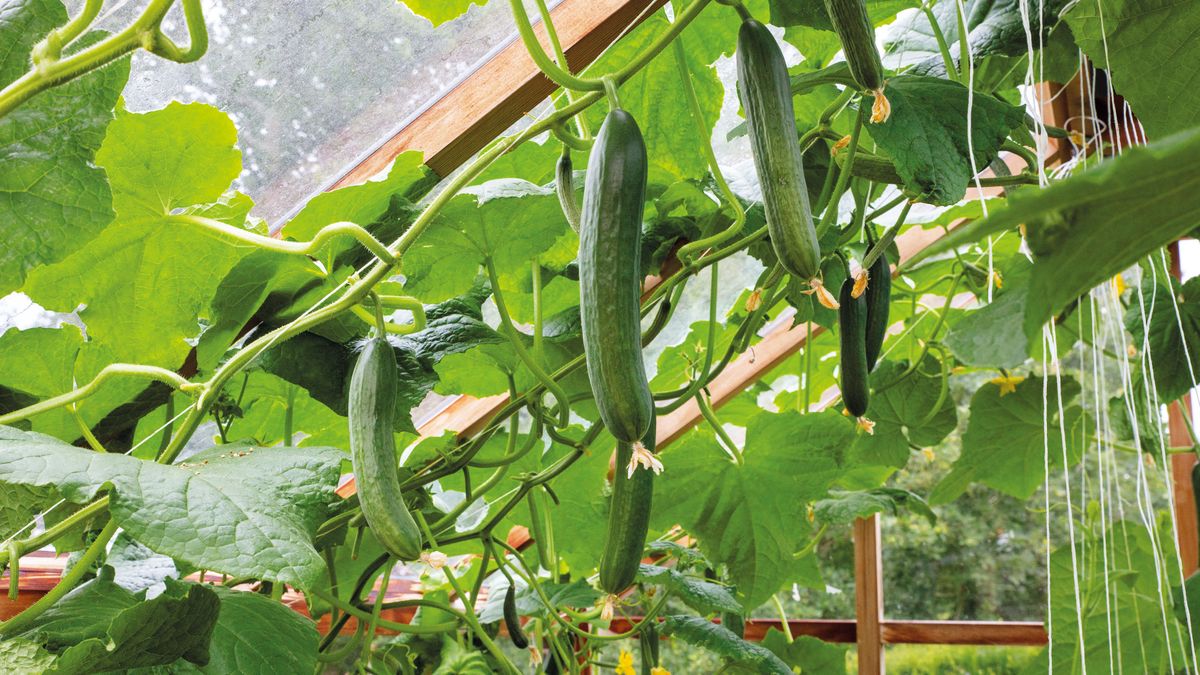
(868, 591)
(1181, 467)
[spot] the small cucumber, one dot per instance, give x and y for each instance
(564, 186)
(878, 298)
(610, 276)
(852, 324)
(371, 408)
(871, 167)
(512, 621)
(767, 99)
(628, 519)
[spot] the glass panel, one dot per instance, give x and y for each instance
(312, 86)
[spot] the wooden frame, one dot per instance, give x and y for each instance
(491, 100)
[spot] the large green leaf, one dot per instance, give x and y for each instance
(926, 135)
(162, 160)
(842, 508)
(655, 97)
(53, 198)
(812, 655)
(100, 626)
(904, 413)
(1010, 434)
(268, 501)
(1170, 328)
(704, 596)
(1079, 229)
(509, 221)
(721, 641)
(745, 516)
(255, 635)
(995, 28)
(1148, 48)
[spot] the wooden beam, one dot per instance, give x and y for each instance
(868, 594)
(504, 89)
(1005, 633)
(845, 631)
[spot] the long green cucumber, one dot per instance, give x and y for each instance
(878, 299)
(852, 325)
(767, 99)
(854, 28)
(610, 277)
(372, 406)
(628, 519)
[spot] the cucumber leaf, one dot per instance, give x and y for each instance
(1143, 45)
(724, 643)
(276, 496)
(926, 135)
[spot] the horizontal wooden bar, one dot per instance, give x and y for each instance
(504, 89)
(845, 631)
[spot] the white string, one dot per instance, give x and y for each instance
(1050, 344)
(60, 502)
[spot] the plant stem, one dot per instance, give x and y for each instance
(110, 371)
(829, 217)
(943, 46)
(702, 130)
(783, 620)
(711, 417)
(886, 240)
(69, 580)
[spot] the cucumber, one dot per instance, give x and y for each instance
(767, 99)
(610, 276)
(512, 621)
(564, 185)
(649, 642)
(878, 298)
(628, 519)
(852, 325)
(871, 167)
(372, 406)
(857, 33)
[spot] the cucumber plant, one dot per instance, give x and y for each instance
(202, 411)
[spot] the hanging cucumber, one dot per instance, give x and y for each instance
(767, 99)
(852, 324)
(857, 33)
(512, 621)
(372, 405)
(878, 299)
(628, 518)
(610, 278)
(564, 185)
(649, 642)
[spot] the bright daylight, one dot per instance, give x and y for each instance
(599, 337)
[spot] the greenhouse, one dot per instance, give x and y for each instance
(642, 337)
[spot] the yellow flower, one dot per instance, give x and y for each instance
(625, 664)
(535, 655)
(1007, 383)
(811, 513)
(435, 559)
(881, 110)
(866, 425)
(928, 452)
(1077, 139)
(997, 279)
(754, 301)
(644, 458)
(657, 670)
(608, 606)
(837, 147)
(823, 295)
(860, 283)
(1118, 283)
